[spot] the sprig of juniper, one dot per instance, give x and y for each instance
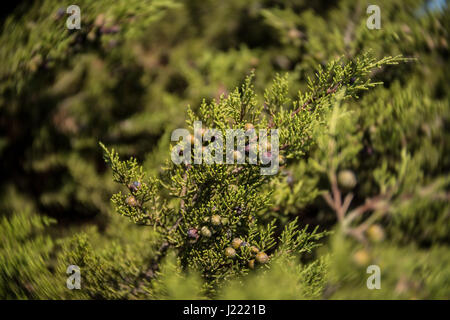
(214, 224)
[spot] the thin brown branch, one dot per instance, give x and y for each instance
(154, 265)
(329, 199)
(347, 200)
(303, 106)
(369, 204)
(336, 196)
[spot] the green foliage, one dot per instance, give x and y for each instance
(173, 283)
(25, 252)
(233, 192)
(285, 280)
(365, 146)
(407, 272)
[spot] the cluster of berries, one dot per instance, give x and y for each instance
(215, 220)
(259, 256)
(131, 199)
(237, 155)
(267, 155)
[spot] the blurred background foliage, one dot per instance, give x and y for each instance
(126, 77)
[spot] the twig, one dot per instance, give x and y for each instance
(151, 270)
